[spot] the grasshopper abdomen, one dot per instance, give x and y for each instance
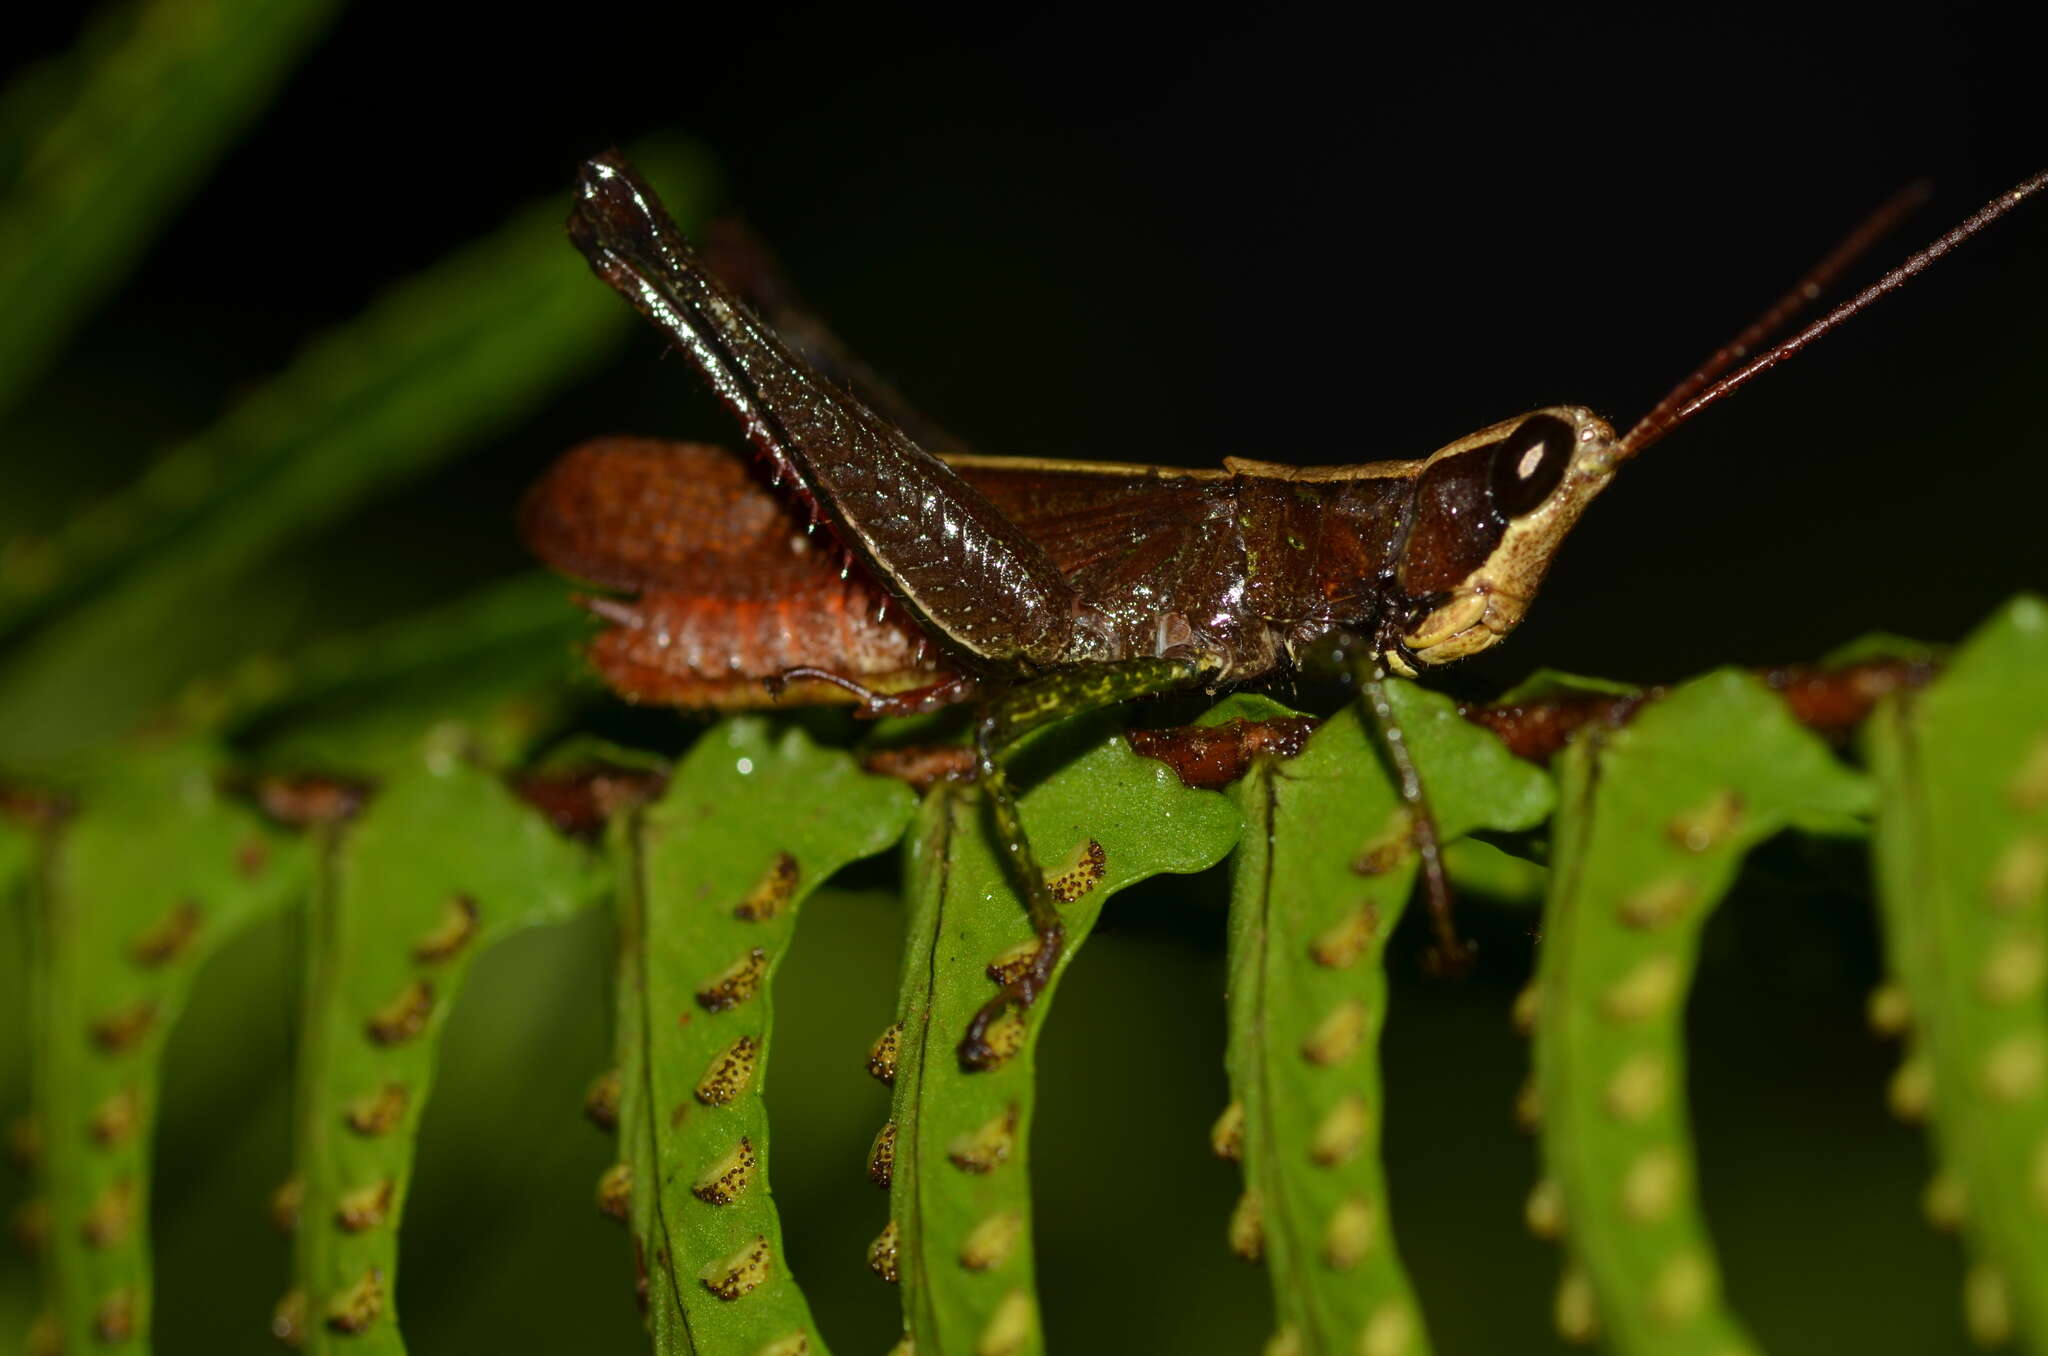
(728, 593)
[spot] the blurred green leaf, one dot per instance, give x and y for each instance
(1479, 868)
(436, 644)
(17, 852)
(1962, 866)
(1556, 683)
(100, 146)
(438, 365)
(495, 660)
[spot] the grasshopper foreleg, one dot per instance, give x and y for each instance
(1003, 726)
(1452, 954)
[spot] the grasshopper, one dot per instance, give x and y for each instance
(1044, 589)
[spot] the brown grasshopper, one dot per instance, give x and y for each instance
(1044, 589)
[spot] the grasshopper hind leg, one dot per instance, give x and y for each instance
(1004, 724)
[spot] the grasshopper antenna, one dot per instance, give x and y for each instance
(1701, 389)
(1806, 291)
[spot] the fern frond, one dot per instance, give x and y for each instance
(1317, 885)
(440, 863)
(153, 871)
(958, 1239)
(711, 877)
(1652, 823)
(1962, 868)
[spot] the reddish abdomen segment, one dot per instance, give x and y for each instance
(705, 651)
(732, 592)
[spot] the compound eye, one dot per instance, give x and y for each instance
(1529, 462)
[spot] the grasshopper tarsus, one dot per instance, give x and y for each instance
(1450, 956)
(977, 1054)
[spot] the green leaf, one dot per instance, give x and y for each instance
(1323, 873)
(1479, 868)
(441, 363)
(711, 876)
(17, 854)
(1962, 865)
(959, 1232)
(442, 863)
(17, 850)
(154, 872)
(1880, 645)
(124, 129)
(1246, 706)
(1652, 824)
(1556, 684)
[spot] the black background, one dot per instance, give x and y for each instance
(1284, 234)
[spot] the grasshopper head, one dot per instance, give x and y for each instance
(1490, 511)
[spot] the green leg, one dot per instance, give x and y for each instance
(1003, 725)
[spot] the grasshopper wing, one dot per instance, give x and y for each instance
(1117, 533)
